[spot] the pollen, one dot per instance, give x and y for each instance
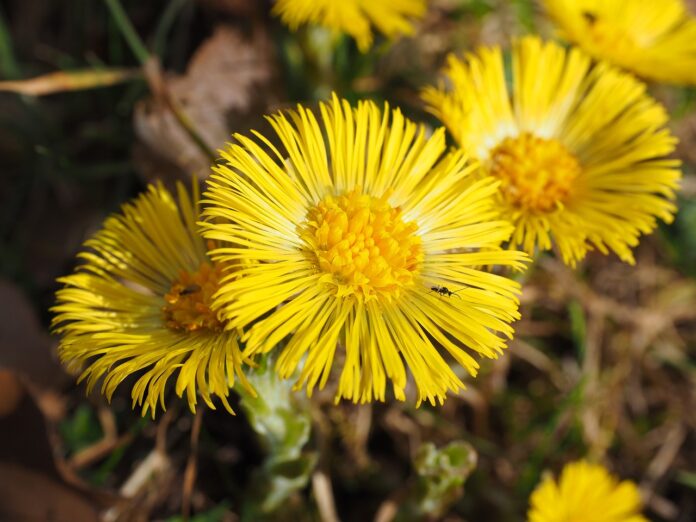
(363, 245)
(537, 174)
(188, 303)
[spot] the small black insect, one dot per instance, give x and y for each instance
(443, 290)
(590, 18)
(191, 289)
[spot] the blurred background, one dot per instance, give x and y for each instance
(604, 362)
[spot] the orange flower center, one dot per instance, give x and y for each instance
(536, 174)
(363, 245)
(187, 304)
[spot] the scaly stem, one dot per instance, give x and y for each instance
(282, 424)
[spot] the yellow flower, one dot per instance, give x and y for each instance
(353, 236)
(353, 17)
(654, 39)
(585, 493)
(580, 148)
(140, 303)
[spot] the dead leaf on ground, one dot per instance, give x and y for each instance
(30, 440)
(11, 392)
(24, 438)
(62, 81)
(29, 495)
(224, 76)
(685, 130)
(24, 346)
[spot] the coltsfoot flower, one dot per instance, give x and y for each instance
(353, 17)
(588, 493)
(140, 303)
(362, 245)
(580, 149)
(655, 40)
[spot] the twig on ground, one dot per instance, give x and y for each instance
(191, 466)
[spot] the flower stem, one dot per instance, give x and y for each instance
(282, 422)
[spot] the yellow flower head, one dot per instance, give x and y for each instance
(353, 17)
(654, 39)
(585, 493)
(579, 148)
(141, 303)
(361, 246)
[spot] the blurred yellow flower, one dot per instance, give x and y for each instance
(654, 39)
(140, 304)
(587, 493)
(352, 237)
(353, 17)
(580, 148)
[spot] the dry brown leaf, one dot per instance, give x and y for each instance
(62, 81)
(223, 76)
(28, 495)
(685, 130)
(11, 392)
(29, 438)
(24, 346)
